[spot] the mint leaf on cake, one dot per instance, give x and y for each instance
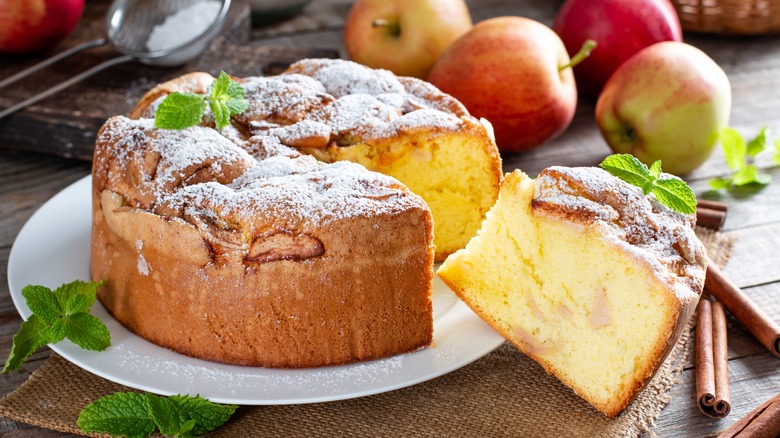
(183, 110)
(57, 315)
(226, 100)
(141, 414)
(670, 191)
(180, 111)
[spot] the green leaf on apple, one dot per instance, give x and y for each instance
(739, 155)
(669, 190)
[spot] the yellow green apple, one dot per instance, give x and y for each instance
(404, 36)
(668, 102)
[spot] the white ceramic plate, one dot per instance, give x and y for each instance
(53, 248)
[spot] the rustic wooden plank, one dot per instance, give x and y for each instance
(754, 379)
(755, 258)
(26, 182)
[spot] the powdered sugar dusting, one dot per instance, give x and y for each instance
(319, 102)
(197, 173)
(639, 224)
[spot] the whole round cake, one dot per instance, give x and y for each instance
(273, 260)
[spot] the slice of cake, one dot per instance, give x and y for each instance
(338, 110)
(586, 275)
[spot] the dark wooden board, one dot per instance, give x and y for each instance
(66, 123)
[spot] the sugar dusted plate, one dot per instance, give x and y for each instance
(53, 248)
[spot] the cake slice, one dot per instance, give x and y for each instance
(586, 275)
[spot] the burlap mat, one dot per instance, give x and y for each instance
(502, 394)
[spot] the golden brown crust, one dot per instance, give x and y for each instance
(211, 253)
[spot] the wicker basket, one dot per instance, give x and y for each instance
(734, 17)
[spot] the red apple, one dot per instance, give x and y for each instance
(620, 27)
(668, 102)
(404, 36)
(34, 25)
(511, 71)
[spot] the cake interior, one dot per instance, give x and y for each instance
(426, 165)
(566, 296)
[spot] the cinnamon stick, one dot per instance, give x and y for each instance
(712, 373)
(710, 218)
(761, 422)
(745, 310)
(720, 356)
(712, 205)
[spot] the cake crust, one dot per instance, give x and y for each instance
(275, 262)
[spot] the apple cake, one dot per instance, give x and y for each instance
(266, 259)
(403, 127)
(586, 275)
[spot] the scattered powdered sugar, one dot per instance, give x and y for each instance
(357, 104)
(183, 26)
(295, 189)
(254, 382)
(343, 78)
(639, 224)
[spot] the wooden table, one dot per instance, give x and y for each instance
(27, 180)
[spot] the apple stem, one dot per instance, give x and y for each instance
(392, 27)
(584, 52)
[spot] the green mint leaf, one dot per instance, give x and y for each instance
(42, 302)
(87, 332)
(757, 144)
(675, 194)
(207, 415)
(77, 304)
(219, 89)
(120, 414)
(777, 152)
(655, 170)
(57, 315)
(629, 169)
(168, 416)
(734, 147)
(180, 111)
(226, 99)
(671, 192)
(66, 292)
(57, 331)
(221, 114)
(750, 175)
(32, 335)
(720, 183)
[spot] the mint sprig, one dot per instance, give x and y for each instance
(139, 415)
(59, 314)
(182, 110)
(671, 192)
(739, 155)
